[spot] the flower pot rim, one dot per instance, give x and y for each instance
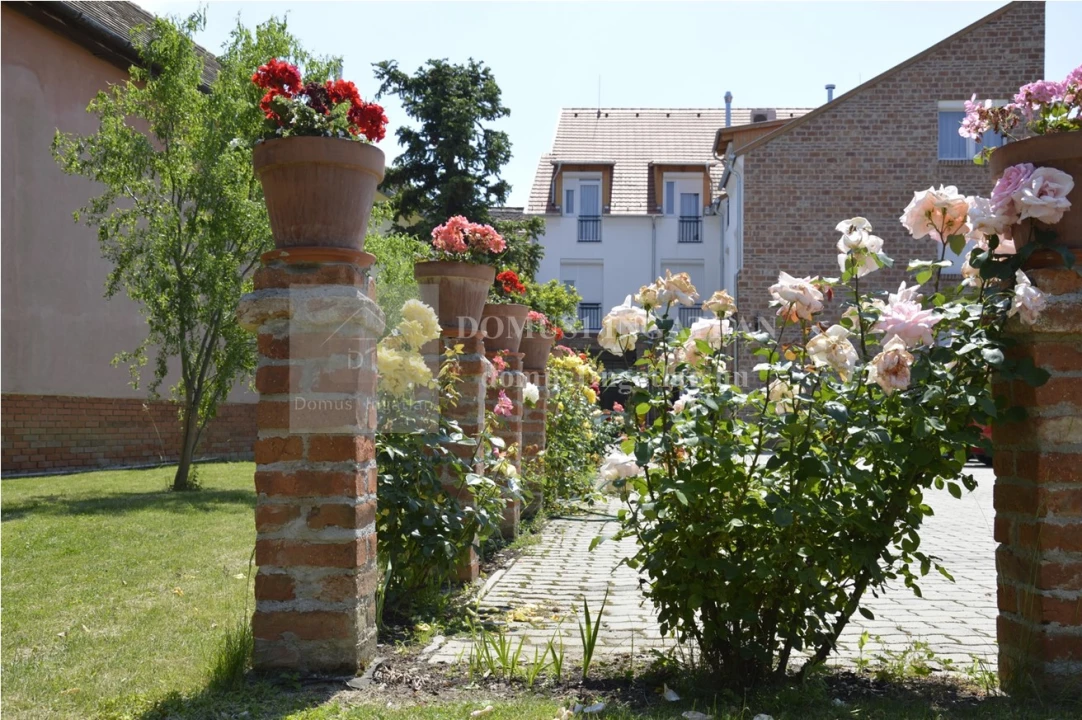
(454, 268)
(516, 306)
(303, 150)
(1036, 149)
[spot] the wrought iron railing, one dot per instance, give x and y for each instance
(691, 230)
(589, 228)
(688, 315)
(590, 315)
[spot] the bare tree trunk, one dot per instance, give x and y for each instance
(190, 435)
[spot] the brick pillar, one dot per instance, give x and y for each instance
(533, 437)
(315, 477)
(512, 381)
(470, 414)
(1038, 501)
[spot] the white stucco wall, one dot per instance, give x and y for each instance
(633, 251)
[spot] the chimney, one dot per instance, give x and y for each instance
(830, 92)
(728, 109)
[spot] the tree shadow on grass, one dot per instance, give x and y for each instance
(258, 697)
(119, 503)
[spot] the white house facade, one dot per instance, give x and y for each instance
(628, 194)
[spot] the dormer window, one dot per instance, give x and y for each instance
(683, 200)
(582, 199)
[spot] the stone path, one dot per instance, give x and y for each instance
(541, 592)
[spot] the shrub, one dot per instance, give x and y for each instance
(764, 515)
(573, 448)
(437, 496)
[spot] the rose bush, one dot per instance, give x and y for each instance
(765, 515)
(438, 489)
(573, 442)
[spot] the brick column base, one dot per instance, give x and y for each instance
(1038, 501)
(315, 477)
(469, 411)
(533, 439)
(511, 381)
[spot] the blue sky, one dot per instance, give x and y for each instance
(551, 55)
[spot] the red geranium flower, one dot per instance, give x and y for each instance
(510, 282)
(341, 91)
(368, 119)
(278, 75)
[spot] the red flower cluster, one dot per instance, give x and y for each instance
(281, 79)
(508, 279)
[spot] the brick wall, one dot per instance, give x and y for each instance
(51, 433)
(869, 152)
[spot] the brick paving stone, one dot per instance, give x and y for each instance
(546, 586)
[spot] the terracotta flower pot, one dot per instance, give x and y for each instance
(536, 348)
(456, 290)
(319, 190)
(1062, 151)
(503, 326)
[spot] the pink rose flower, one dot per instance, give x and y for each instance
(907, 320)
(890, 368)
(983, 221)
(1044, 195)
(799, 298)
(504, 406)
(939, 213)
(617, 407)
(1028, 301)
(1009, 183)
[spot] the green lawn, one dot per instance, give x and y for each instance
(114, 585)
(117, 592)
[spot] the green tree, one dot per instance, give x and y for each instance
(451, 161)
(180, 215)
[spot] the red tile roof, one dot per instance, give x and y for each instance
(632, 139)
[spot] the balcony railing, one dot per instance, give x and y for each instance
(691, 230)
(590, 315)
(589, 228)
(688, 315)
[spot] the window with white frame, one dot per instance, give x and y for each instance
(582, 199)
(683, 194)
(953, 146)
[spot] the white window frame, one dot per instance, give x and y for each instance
(682, 182)
(972, 146)
(573, 182)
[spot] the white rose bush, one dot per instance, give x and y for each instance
(434, 504)
(765, 514)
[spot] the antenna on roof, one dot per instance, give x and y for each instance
(599, 96)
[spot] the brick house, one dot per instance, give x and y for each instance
(865, 153)
(64, 406)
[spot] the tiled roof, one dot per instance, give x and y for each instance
(507, 213)
(103, 28)
(631, 139)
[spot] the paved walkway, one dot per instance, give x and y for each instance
(541, 592)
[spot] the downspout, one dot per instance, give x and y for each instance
(653, 250)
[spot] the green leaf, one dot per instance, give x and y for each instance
(993, 356)
(957, 243)
(783, 517)
(642, 408)
(954, 489)
(866, 613)
(681, 497)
